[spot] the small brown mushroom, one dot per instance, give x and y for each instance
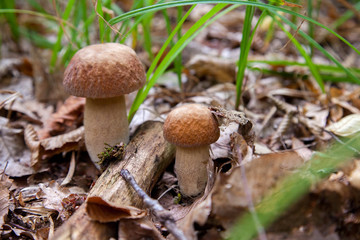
(191, 128)
(104, 73)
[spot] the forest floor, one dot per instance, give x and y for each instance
(284, 122)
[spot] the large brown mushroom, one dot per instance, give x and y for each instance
(103, 74)
(191, 128)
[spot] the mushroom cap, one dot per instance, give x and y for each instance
(191, 125)
(104, 71)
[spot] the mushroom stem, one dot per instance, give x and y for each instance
(191, 169)
(105, 121)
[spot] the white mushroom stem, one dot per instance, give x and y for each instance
(105, 121)
(191, 169)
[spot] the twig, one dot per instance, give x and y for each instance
(160, 213)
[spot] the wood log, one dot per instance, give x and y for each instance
(146, 157)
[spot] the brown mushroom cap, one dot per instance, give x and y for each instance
(191, 125)
(103, 71)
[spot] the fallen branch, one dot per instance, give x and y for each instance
(146, 157)
(162, 215)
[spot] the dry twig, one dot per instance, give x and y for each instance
(160, 213)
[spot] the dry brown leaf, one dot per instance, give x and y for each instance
(14, 80)
(13, 152)
(20, 233)
(138, 229)
(291, 93)
(125, 4)
(300, 148)
(228, 198)
(58, 198)
(103, 211)
(198, 214)
(5, 183)
(336, 113)
(215, 69)
(9, 99)
(68, 117)
(48, 147)
(354, 177)
(315, 118)
(346, 127)
(346, 105)
(63, 143)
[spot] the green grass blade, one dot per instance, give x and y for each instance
(290, 189)
(140, 95)
(36, 14)
(202, 23)
(307, 57)
(244, 52)
(346, 16)
(11, 17)
(146, 24)
(84, 16)
(242, 63)
(57, 45)
(34, 4)
(322, 67)
(36, 38)
(161, 6)
(319, 47)
(131, 30)
(100, 20)
(167, 42)
(311, 25)
(178, 60)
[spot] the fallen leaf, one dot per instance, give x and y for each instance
(13, 79)
(41, 149)
(68, 117)
(138, 229)
(53, 196)
(346, 105)
(346, 127)
(228, 198)
(5, 183)
(100, 210)
(199, 214)
(354, 177)
(216, 69)
(300, 148)
(13, 152)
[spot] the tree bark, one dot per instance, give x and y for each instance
(146, 157)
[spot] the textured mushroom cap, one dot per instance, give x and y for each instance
(191, 125)
(103, 71)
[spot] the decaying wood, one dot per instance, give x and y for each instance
(146, 157)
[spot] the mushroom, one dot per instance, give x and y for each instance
(191, 128)
(103, 73)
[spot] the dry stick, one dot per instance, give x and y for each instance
(147, 155)
(161, 214)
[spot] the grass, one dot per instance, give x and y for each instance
(293, 187)
(246, 41)
(273, 10)
(78, 21)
